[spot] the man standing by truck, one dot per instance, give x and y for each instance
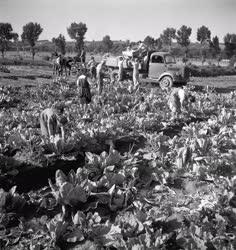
(82, 56)
(92, 67)
(121, 69)
(135, 64)
(100, 75)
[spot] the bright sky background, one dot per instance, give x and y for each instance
(121, 19)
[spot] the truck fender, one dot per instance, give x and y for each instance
(165, 74)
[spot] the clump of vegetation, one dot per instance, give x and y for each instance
(210, 71)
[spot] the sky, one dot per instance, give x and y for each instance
(121, 19)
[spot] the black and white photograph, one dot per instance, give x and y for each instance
(118, 125)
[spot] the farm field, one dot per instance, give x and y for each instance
(126, 176)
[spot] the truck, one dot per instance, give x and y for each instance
(158, 67)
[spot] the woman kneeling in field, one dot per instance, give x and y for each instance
(52, 121)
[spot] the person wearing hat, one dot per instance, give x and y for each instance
(100, 75)
(135, 64)
(83, 88)
(52, 122)
(120, 69)
(92, 67)
(82, 56)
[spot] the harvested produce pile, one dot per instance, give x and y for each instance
(128, 179)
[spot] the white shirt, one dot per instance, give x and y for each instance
(120, 65)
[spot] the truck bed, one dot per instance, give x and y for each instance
(112, 62)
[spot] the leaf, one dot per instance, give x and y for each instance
(79, 218)
(60, 178)
(65, 190)
(100, 229)
(3, 196)
(110, 168)
(148, 156)
(57, 228)
(72, 177)
(113, 158)
(103, 198)
(113, 238)
(75, 236)
(112, 189)
(54, 189)
(71, 195)
(13, 190)
(117, 200)
(118, 179)
(93, 159)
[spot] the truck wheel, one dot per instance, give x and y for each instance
(166, 82)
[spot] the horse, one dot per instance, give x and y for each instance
(66, 63)
(61, 63)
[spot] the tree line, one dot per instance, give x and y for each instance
(209, 46)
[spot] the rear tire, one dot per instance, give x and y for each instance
(166, 82)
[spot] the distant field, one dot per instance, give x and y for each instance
(26, 55)
(26, 75)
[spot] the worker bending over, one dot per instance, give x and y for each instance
(178, 101)
(52, 121)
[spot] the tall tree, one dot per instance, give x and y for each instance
(230, 45)
(149, 41)
(77, 31)
(60, 43)
(6, 35)
(158, 43)
(107, 43)
(15, 38)
(204, 37)
(167, 36)
(203, 34)
(215, 46)
(182, 37)
(31, 33)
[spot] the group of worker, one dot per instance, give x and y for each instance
(97, 72)
(51, 119)
(135, 64)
